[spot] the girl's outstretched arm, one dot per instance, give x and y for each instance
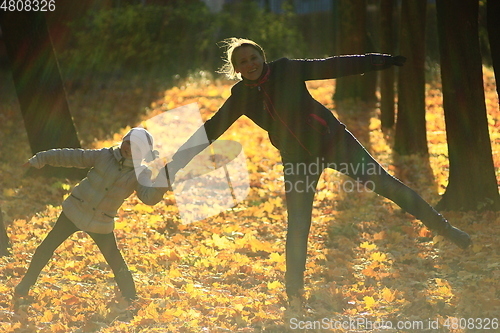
(146, 190)
(66, 157)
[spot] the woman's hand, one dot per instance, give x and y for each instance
(171, 171)
(26, 165)
(398, 60)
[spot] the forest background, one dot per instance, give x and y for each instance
(367, 260)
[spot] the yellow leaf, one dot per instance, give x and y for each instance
(151, 311)
(388, 295)
(47, 316)
(369, 302)
(220, 242)
(142, 208)
(273, 285)
(368, 246)
(378, 256)
(257, 245)
(276, 257)
(173, 273)
(171, 255)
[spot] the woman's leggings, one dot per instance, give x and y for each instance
(348, 156)
(63, 229)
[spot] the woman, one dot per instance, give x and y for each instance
(114, 175)
(275, 97)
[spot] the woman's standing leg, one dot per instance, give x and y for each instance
(300, 188)
(123, 277)
(61, 231)
(357, 163)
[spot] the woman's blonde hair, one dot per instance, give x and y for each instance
(230, 45)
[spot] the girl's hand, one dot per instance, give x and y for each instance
(27, 165)
(158, 163)
(171, 172)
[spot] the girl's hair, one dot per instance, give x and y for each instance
(230, 45)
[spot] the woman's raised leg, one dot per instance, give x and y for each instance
(357, 163)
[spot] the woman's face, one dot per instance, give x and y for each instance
(248, 62)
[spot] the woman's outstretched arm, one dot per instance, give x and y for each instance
(339, 66)
(206, 134)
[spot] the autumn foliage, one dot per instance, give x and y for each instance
(367, 259)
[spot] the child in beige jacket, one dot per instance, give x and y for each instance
(114, 175)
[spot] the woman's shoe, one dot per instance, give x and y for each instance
(457, 236)
(22, 289)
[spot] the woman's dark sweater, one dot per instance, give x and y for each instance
(279, 102)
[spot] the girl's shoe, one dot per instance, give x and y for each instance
(126, 284)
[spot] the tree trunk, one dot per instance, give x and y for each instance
(351, 40)
(411, 136)
(472, 183)
(492, 15)
(4, 238)
(38, 85)
(387, 76)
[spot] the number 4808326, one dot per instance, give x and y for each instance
(28, 5)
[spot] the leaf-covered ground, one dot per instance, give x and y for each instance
(370, 265)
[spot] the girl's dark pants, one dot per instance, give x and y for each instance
(351, 158)
(63, 229)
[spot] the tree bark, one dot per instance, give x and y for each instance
(39, 85)
(387, 112)
(4, 238)
(351, 40)
(411, 136)
(492, 15)
(472, 182)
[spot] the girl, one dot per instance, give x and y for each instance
(114, 175)
(275, 97)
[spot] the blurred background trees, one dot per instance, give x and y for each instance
(38, 85)
(145, 42)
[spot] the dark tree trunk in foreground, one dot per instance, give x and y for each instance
(411, 135)
(472, 183)
(387, 76)
(38, 84)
